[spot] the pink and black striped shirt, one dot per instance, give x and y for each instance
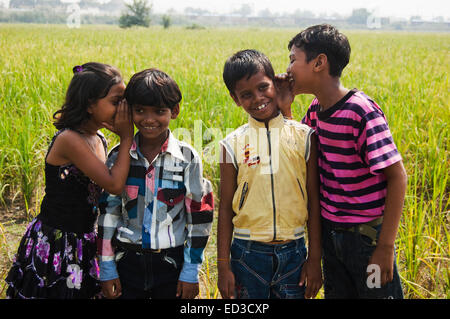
(354, 146)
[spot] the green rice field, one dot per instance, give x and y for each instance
(406, 73)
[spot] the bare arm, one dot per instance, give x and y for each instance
(72, 148)
(312, 188)
(396, 188)
(312, 272)
(228, 185)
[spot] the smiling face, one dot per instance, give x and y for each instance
(257, 96)
(300, 71)
(153, 122)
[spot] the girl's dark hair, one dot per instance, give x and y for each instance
(152, 87)
(245, 63)
(91, 82)
(326, 39)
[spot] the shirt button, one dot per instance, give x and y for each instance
(171, 200)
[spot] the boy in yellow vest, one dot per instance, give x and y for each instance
(268, 193)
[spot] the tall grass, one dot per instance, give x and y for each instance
(407, 74)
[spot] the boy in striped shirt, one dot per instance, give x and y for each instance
(363, 181)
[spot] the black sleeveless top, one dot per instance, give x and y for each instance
(71, 198)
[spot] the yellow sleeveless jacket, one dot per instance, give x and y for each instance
(270, 201)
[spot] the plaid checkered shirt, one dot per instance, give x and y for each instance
(166, 203)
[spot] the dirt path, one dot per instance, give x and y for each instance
(12, 226)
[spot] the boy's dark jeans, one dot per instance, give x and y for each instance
(145, 275)
(345, 259)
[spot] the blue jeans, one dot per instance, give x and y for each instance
(345, 259)
(264, 271)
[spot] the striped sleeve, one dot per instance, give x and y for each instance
(306, 119)
(310, 117)
(375, 142)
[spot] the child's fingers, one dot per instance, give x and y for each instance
(228, 289)
(314, 289)
(281, 76)
(127, 110)
(386, 277)
(281, 80)
(302, 277)
(179, 289)
(111, 289)
(308, 292)
(118, 289)
(105, 291)
(231, 290)
(125, 113)
(122, 110)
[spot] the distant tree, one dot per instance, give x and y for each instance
(138, 13)
(171, 11)
(166, 21)
(303, 14)
(112, 5)
(359, 16)
(21, 4)
(196, 11)
(244, 11)
(265, 13)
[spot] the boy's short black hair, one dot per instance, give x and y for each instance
(326, 39)
(152, 87)
(245, 63)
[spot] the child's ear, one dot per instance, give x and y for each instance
(90, 107)
(175, 111)
(235, 99)
(320, 62)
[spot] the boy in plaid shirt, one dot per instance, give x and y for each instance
(152, 237)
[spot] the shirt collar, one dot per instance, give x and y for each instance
(171, 146)
(277, 121)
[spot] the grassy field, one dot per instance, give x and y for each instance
(406, 73)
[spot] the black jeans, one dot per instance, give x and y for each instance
(345, 259)
(145, 275)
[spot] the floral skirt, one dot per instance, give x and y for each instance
(54, 264)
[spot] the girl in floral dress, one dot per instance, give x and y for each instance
(56, 257)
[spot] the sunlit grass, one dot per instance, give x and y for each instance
(405, 73)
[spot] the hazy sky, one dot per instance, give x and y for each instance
(396, 8)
